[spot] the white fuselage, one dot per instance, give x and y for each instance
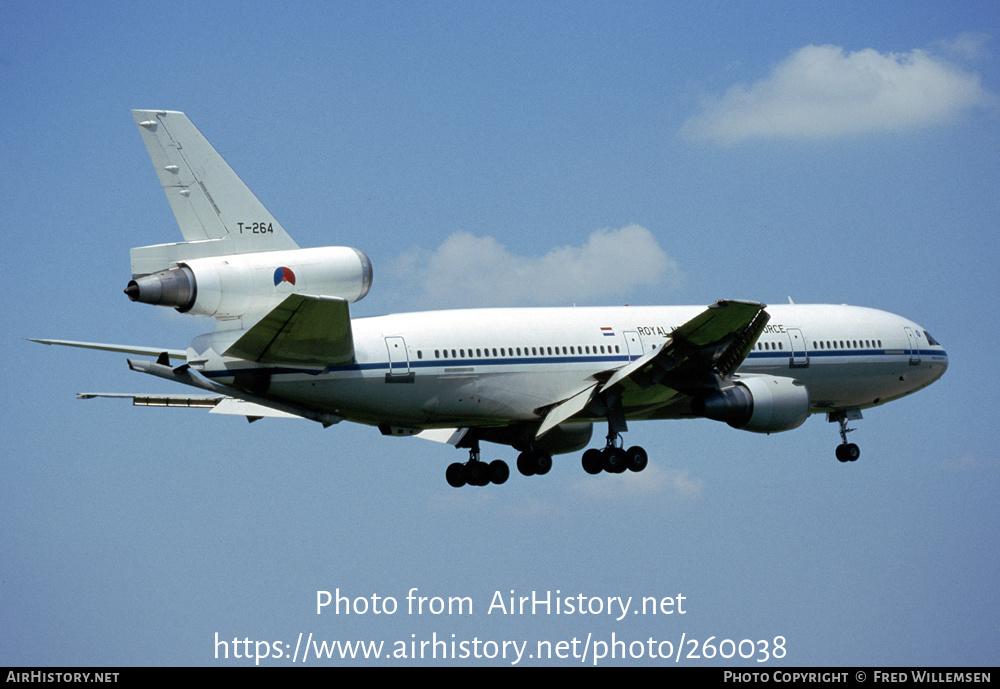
(498, 366)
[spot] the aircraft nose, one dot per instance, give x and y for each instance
(939, 363)
(942, 364)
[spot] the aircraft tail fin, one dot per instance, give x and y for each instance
(217, 213)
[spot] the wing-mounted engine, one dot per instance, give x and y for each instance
(566, 437)
(561, 439)
(238, 284)
(761, 404)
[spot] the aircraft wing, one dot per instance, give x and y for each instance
(127, 349)
(304, 330)
(696, 355)
(566, 409)
(216, 404)
(711, 345)
(449, 436)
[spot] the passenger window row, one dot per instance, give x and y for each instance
(846, 344)
(495, 352)
(823, 344)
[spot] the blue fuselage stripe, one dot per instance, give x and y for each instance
(529, 361)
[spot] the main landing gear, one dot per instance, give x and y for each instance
(479, 473)
(846, 452)
(476, 472)
(534, 463)
(614, 459)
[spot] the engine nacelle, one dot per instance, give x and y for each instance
(762, 404)
(237, 284)
(566, 437)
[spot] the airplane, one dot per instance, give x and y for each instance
(535, 379)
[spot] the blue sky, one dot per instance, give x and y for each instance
(668, 153)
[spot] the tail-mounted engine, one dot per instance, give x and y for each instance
(762, 404)
(237, 284)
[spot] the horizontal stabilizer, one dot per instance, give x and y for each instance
(305, 330)
(126, 349)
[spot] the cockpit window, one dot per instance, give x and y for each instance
(931, 341)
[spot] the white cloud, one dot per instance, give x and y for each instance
(467, 270)
(822, 91)
(968, 46)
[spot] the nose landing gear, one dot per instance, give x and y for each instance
(846, 452)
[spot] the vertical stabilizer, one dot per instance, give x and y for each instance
(216, 211)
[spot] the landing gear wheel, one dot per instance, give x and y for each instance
(477, 473)
(848, 452)
(593, 461)
(636, 458)
(534, 463)
(615, 460)
(455, 475)
(499, 471)
(525, 464)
